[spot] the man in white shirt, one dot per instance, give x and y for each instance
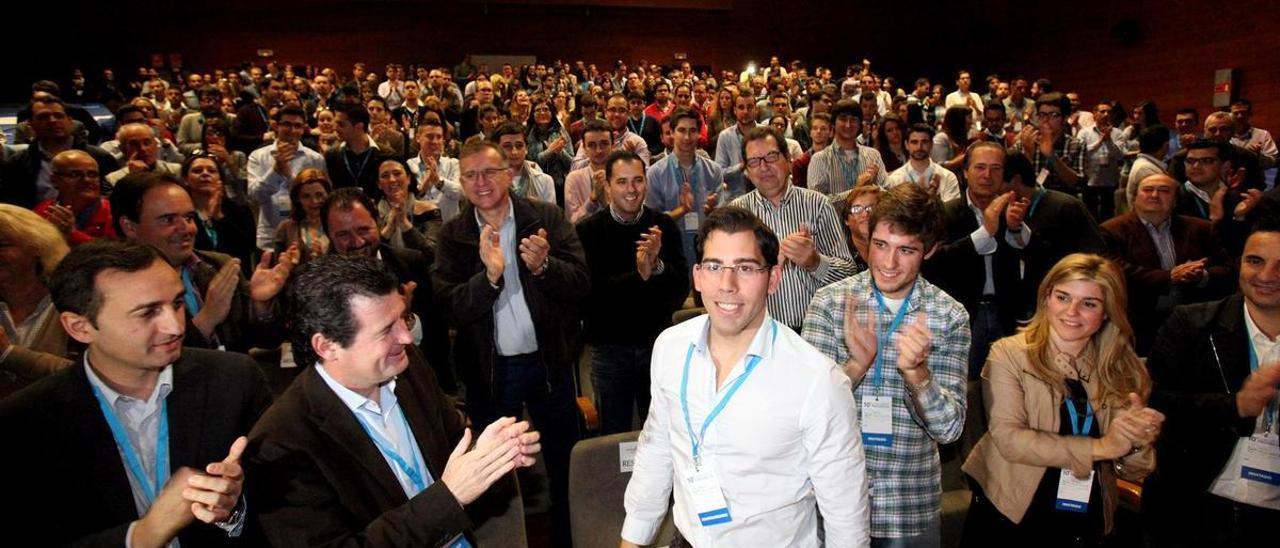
(393, 88)
(921, 170)
(962, 97)
(1255, 139)
(845, 164)
(749, 424)
(729, 142)
(272, 167)
(437, 174)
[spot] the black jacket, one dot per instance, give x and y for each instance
(464, 293)
(1199, 362)
(961, 272)
(19, 172)
(68, 481)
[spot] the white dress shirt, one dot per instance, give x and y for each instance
(948, 184)
(788, 438)
(449, 195)
(270, 190)
(1229, 483)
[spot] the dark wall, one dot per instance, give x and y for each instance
(1169, 56)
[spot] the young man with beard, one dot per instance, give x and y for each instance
(639, 277)
(584, 187)
(904, 345)
(921, 170)
(784, 442)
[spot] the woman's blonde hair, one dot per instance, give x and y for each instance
(1119, 371)
(35, 234)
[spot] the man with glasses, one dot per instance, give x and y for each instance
(79, 211)
(271, 168)
(813, 252)
(1056, 156)
(784, 441)
(904, 344)
(27, 174)
(616, 113)
(509, 275)
(527, 179)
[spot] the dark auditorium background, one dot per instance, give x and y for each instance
(1131, 51)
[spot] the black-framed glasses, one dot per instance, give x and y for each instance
(769, 158)
(744, 270)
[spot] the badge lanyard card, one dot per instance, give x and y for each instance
(1073, 492)
(1261, 459)
(877, 408)
(704, 486)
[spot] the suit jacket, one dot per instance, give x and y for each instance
(71, 488)
(1199, 362)
(1023, 441)
(1060, 225)
(241, 330)
(1131, 247)
(44, 356)
(961, 272)
(464, 293)
(318, 480)
(19, 172)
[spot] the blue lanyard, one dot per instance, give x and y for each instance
(191, 295)
(131, 460)
(1204, 213)
(1269, 414)
(636, 130)
(1035, 201)
(883, 338)
(677, 174)
(1075, 417)
(715, 412)
(210, 231)
(415, 475)
(355, 175)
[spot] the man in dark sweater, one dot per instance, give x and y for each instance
(638, 279)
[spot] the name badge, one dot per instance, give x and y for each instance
(1042, 176)
(691, 221)
(877, 421)
(1073, 492)
(286, 356)
(708, 499)
(282, 203)
(1261, 460)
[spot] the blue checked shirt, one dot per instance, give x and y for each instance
(906, 479)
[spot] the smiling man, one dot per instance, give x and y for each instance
(133, 430)
(750, 426)
(273, 167)
(904, 345)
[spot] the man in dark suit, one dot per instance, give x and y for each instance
(23, 176)
(977, 263)
(350, 220)
(223, 310)
(509, 274)
(1167, 259)
(355, 162)
(358, 450)
(1215, 367)
(1060, 225)
(140, 443)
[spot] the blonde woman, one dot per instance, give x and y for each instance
(32, 342)
(1066, 403)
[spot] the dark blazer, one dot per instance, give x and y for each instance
(1199, 362)
(67, 479)
(19, 172)
(345, 172)
(1060, 225)
(464, 293)
(318, 480)
(241, 330)
(1131, 247)
(237, 235)
(961, 272)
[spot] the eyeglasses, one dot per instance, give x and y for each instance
(78, 173)
(859, 209)
(1208, 161)
(769, 158)
(743, 270)
(486, 174)
(1049, 115)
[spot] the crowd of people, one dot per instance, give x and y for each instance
(290, 306)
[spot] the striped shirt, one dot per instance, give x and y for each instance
(831, 174)
(802, 206)
(906, 478)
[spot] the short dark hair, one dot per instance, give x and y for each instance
(620, 156)
(320, 296)
(1151, 138)
(732, 220)
(128, 193)
(846, 107)
(209, 91)
(1046, 85)
(1225, 151)
(1017, 164)
(1244, 103)
(1189, 110)
(356, 114)
(508, 128)
(1054, 99)
(596, 125)
(921, 128)
(913, 210)
(346, 199)
(71, 285)
(290, 111)
(760, 133)
(47, 86)
(126, 110)
(682, 113)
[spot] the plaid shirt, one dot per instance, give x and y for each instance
(906, 478)
(1070, 149)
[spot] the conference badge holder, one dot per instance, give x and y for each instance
(877, 421)
(1073, 492)
(1261, 462)
(708, 499)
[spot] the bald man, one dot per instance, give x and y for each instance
(141, 154)
(1168, 259)
(79, 210)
